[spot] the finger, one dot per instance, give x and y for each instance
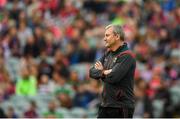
(96, 66)
(110, 70)
(99, 63)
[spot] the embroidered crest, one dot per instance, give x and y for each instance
(105, 59)
(115, 59)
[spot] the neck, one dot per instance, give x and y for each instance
(115, 47)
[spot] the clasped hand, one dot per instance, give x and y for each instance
(98, 65)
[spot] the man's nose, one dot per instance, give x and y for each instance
(104, 39)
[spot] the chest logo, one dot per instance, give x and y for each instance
(115, 59)
(105, 59)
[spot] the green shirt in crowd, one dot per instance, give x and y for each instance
(26, 86)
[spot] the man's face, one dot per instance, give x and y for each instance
(110, 38)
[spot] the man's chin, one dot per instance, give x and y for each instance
(107, 46)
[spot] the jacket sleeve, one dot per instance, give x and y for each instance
(120, 69)
(95, 73)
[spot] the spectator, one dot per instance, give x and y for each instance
(61, 64)
(45, 86)
(164, 95)
(31, 48)
(11, 113)
(63, 91)
(85, 94)
(52, 111)
(31, 112)
(143, 104)
(27, 83)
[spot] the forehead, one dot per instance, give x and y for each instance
(109, 30)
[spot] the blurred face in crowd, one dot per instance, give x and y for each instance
(74, 76)
(38, 31)
(13, 31)
(52, 106)
(33, 105)
(44, 79)
(10, 112)
(30, 40)
(58, 78)
(110, 38)
(25, 72)
(65, 100)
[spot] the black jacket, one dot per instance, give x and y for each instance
(118, 85)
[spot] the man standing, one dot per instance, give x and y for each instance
(116, 70)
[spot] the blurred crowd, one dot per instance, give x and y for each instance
(48, 46)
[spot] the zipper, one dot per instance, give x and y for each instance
(110, 62)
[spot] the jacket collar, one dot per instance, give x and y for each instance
(122, 48)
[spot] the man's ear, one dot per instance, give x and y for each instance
(118, 36)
